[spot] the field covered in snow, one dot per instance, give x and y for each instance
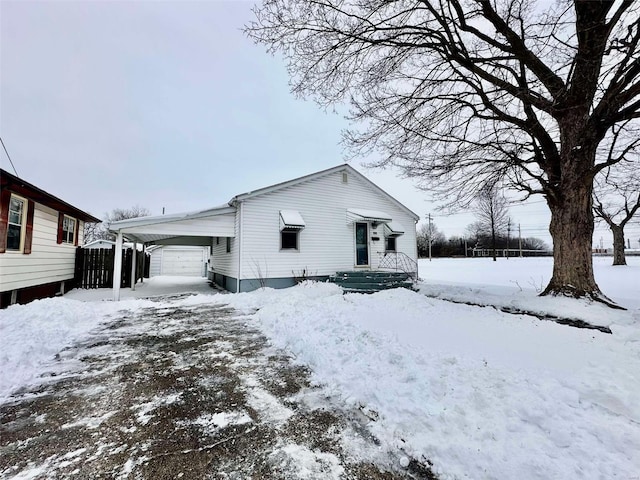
(478, 393)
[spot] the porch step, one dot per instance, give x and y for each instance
(371, 281)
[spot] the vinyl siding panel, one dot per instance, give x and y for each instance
(155, 265)
(48, 261)
(222, 262)
(327, 243)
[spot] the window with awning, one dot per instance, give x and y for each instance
(291, 220)
(393, 229)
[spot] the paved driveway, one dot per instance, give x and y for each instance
(184, 392)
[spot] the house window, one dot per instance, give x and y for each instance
(289, 239)
(217, 240)
(68, 230)
(15, 224)
(391, 244)
(228, 244)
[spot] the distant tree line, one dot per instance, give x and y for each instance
(475, 237)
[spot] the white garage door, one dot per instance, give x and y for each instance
(187, 263)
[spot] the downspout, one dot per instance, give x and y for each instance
(239, 246)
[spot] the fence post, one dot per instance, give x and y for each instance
(77, 272)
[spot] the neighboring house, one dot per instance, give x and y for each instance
(309, 227)
(182, 260)
(38, 236)
(100, 244)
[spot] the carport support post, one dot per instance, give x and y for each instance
(117, 267)
(144, 258)
(133, 266)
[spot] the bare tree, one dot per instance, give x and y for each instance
(616, 200)
(429, 233)
(456, 92)
(99, 231)
(492, 213)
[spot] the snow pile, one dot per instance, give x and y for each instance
(481, 394)
(33, 334)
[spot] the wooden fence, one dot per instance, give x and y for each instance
(94, 267)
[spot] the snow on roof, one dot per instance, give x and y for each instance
(393, 229)
(291, 219)
(368, 215)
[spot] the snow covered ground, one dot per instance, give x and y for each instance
(479, 393)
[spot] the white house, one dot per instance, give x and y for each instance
(39, 234)
(309, 227)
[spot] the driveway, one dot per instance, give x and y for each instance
(189, 392)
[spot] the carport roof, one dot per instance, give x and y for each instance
(212, 222)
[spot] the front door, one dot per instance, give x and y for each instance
(362, 244)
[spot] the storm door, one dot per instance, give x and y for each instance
(362, 244)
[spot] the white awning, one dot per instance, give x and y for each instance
(393, 229)
(291, 219)
(360, 215)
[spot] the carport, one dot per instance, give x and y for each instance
(195, 228)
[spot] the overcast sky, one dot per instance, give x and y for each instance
(167, 104)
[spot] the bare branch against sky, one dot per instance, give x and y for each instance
(166, 104)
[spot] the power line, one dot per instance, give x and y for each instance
(10, 161)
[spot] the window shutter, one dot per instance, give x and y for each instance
(28, 236)
(5, 197)
(60, 222)
(75, 240)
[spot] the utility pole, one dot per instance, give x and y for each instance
(520, 240)
(430, 236)
(508, 235)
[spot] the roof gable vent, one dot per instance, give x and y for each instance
(345, 177)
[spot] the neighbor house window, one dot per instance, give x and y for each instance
(228, 244)
(68, 230)
(15, 224)
(289, 239)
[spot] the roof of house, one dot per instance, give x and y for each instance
(143, 221)
(322, 173)
(230, 207)
(26, 189)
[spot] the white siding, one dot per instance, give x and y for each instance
(327, 243)
(155, 265)
(222, 262)
(48, 261)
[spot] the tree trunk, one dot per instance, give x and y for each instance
(571, 227)
(493, 238)
(618, 245)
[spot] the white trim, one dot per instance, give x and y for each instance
(64, 232)
(355, 245)
(23, 222)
